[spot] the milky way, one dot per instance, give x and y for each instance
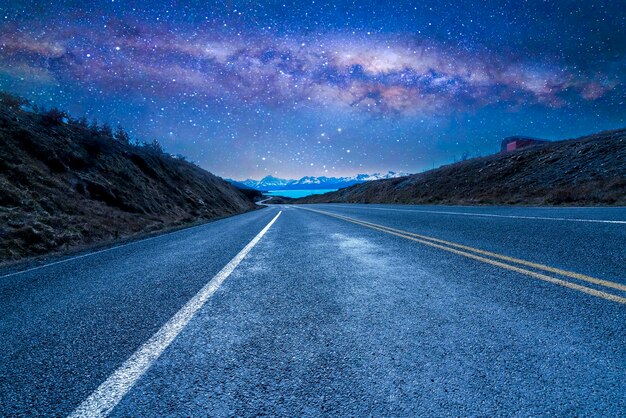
(323, 88)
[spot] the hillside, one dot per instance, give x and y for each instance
(65, 185)
(586, 171)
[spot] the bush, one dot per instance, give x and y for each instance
(53, 117)
(106, 130)
(94, 129)
(121, 135)
(11, 100)
(155, 146)
(82, 122)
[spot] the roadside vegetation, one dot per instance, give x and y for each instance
(586, 171)
(67, 184)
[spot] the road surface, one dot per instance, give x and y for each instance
(340, 310)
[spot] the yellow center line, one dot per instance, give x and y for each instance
(446, 246)
(582, 277)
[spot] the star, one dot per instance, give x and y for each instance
(405, 86)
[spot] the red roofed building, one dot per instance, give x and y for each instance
(513, 143)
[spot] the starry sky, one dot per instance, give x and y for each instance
(317, 87)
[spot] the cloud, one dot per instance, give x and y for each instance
(35, 75)
(351, 73)
(15, 43)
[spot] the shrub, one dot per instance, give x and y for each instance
(94, 129)
(155, 146)
(121, 135)
(53, 117)
(82, 122)
(12, 100)
(106, 130)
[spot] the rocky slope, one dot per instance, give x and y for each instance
(586, 171)
(64, 185)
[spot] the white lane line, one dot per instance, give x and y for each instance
(65, 260)
(488, 215)
(102, 401)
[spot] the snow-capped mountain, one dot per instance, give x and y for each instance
(269, 183)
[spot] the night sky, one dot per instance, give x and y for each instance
(294, 88)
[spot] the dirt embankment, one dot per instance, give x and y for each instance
(65, 185)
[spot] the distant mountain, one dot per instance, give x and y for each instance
(270, 183)
(586, 171)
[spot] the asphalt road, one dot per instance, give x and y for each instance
(337, 310)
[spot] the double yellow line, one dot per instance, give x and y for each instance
(499, 260)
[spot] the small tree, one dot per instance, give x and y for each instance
(82, 122)
(94, 129)
(53, 117)
(155, 145)
(121, 135)
(106, 130)
(11, 100)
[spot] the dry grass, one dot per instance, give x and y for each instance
(585, 171)
(65, 186)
